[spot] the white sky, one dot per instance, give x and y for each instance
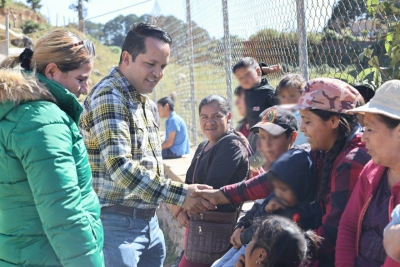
(246, 16)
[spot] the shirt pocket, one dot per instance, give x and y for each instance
(139, 136)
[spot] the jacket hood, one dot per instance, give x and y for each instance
(295, 168)
(17, 88)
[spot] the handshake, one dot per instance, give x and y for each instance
(200, 198)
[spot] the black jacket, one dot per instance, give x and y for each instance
(224, 163)
(258, 99)
(296, 170)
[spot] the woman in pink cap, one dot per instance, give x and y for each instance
(335, 139)
(338, 152)
(377, 192)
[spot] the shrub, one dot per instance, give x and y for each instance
(30, 26)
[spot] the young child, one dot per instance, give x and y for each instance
(258, 94)
(243, 126)
(294, 180)
(277, 133)
(279, 242)
(257, 160)
(289, 91)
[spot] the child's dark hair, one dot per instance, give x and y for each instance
(286, 244)
(170, 100)
(246, 62)
(238, 91)
(346, 125)
(291, 80)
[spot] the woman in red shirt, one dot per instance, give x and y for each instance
(377, 192)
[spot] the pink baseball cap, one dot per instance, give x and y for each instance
(328, 94)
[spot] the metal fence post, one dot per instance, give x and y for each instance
(191, 70)
(7, 33)
(227, 52)
(302, 35)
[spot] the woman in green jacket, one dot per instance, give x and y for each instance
(49, 213)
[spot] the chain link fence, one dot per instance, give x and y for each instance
(313, 37)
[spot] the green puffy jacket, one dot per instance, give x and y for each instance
(49, 213)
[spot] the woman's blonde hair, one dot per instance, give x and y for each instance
(66, 49)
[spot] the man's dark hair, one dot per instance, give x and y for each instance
(134, 42)
(246, 62)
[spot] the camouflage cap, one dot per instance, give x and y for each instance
(328, 94)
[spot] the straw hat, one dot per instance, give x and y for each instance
(385, 102)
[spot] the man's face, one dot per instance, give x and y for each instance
(147, 70)
(248, 77)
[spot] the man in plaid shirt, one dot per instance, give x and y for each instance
(123, 142)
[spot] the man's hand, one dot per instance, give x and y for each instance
(235, 238)
(196, 203)
(240, 262)
(274, 204)
(183, 219)
(214, 196)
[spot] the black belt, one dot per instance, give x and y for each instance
(145, 214)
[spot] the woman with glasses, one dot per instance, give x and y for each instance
(49, 213)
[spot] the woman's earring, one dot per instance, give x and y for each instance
(257, 262)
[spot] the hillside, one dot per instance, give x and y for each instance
(19, 13)
(106, 57)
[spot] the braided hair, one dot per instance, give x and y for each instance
(346, 125)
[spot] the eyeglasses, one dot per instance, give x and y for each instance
(88, 44)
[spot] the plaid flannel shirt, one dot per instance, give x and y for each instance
(124, 147)
(345, 173)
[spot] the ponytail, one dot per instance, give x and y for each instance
(10, 63)
(23, 60)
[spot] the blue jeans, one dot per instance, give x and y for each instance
(168, 154)
(230, 258)
(132, 242)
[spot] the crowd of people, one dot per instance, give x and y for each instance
(80, 184)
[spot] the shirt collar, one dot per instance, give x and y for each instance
(115, 72)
